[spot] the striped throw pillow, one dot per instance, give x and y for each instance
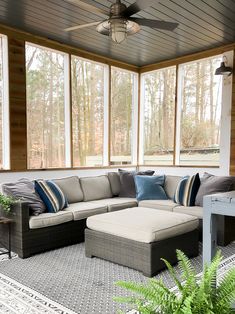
(186, 190)
(51, 195)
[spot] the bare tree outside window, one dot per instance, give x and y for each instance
(87, 112)
(159, 116)
(45, 108)
(200, 94)
(122, 101)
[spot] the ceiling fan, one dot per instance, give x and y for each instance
(119, 23)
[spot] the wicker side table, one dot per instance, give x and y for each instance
(7, 222)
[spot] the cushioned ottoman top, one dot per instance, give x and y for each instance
(143, 224)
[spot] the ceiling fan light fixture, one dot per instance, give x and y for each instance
(118, 30)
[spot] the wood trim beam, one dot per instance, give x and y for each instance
(187, 58)
(17, 104)
(38, 40)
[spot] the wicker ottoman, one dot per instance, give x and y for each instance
(138, 237)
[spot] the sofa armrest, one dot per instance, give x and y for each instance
(20, 215)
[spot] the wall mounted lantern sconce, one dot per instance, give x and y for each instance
(223, 69)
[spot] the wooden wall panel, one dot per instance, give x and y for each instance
(232, 147)
(17, 104)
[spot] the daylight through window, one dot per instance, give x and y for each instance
(46, 107)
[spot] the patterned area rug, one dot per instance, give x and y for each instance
(19, 299)
(83, 285)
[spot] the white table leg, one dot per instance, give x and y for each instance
(209, 234)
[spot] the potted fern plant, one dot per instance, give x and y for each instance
(194, 295)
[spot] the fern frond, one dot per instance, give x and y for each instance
(194, 297)
(225, 292)
(188, 273)
(130, 300)
(173, 274)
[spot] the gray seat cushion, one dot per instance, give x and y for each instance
(71, 188)
(96, 188)
(159, 204)
(143, 224)
(83, 210)
(117, 203)
(50, 219)
(196, 211)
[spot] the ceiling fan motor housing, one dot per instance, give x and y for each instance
(117, 8)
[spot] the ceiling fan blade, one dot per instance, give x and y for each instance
(169, 26)
(81, 26)
(138, 6)
(89, 7)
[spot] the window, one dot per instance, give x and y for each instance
(199, 99)
(158, 117)
(4, 105)
(188, 135)
(47, 108)
(123, 114)
(88, 99)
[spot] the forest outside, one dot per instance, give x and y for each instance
(87, 112)
(187, 135)
(45, 108)
(198, 115)
(121, 126)
(201, 97)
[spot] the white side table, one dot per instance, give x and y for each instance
(214, 205)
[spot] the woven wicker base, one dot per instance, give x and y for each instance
(144, 257)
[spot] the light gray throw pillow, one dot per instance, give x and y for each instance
(211, 184)
(71, 188)
(96, 188)
(115, 183)
(24, 190)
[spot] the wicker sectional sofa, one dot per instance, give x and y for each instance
(86, 197)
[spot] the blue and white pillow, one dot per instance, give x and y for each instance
(187, 189)
(150, 188)
(51, 195)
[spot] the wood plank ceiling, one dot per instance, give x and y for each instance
(203, 24)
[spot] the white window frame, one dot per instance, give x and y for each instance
(106, 116)
(5, 106)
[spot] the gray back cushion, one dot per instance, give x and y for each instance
(71, 188)
(24, 190)
(96, 188)
(128, 183)
(171, 182)
(211, 184)
(115, 183)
